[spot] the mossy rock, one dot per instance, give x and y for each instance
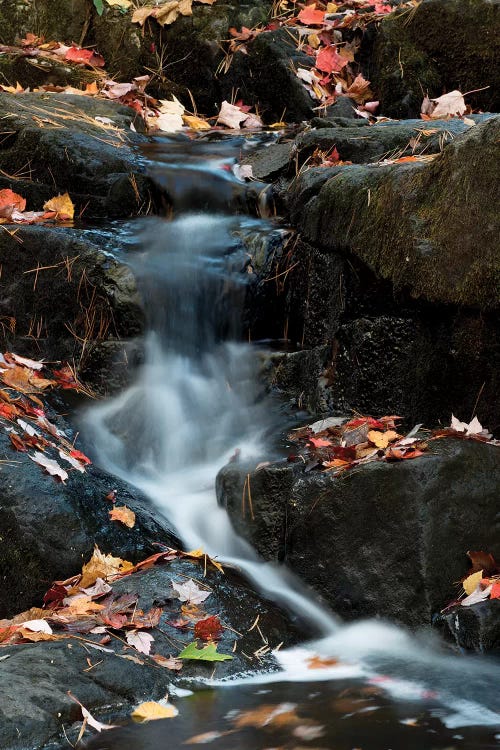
(67, 149)
(32, 72)
(439, 46)
(56, 20)
(430, 228)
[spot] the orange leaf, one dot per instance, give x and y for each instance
(310, 16)
(9, 199)
(124, 515)
(85, 56)
(495, 591)
(319, 442)
(328, 60)
(321, 662)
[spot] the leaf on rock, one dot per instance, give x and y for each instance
(382, 439)
(190, 592)
(319, 442)
(169, 663)
(100, 588)
(196, 123)
(150, 711)
(122, 4)
(10, 201)
(124, 515)
(140, 640)
(207, 653)
(311, 17)
(448, 105)
(209, 629)
(495, 590)
(102, 566)
(97, 725)
(50, 466)
(85, 56)
(38, 626)
(478, 595)
(472, 581)
(230, 115)
(62, 205)
(329, 60)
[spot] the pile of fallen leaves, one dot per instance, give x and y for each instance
(85, 608)
(481, 582)
(85, 605)
(334, 444)
(12, 209)
(23, 414)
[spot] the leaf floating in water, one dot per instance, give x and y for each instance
(150, 711)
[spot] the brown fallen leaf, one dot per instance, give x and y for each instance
(168, 663)
(102, 566)
(124, 515)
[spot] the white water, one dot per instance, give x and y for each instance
(194, 402)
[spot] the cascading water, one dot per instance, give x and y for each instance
(197, 398)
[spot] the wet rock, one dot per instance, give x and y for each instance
(96, 298)
(439, 46)
(273, 81)
(49, 528)
(67, 149)
(476, 628)
(51, 19)
(31, 71)
(383, 141)
(412, 223)
(386, 540)
(36, 707)
(272, 161)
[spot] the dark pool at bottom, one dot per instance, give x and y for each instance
(294, 716)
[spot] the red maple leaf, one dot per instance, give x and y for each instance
(209, 629)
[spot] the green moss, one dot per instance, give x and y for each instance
(439, 46)
(428, 227)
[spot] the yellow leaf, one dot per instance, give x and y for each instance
(314, 40)
(62, 205)
(198, 554)
(124, 515)
(123, 4)
(102, 566)
(197, 123)
(382, 439)
(471, 583)
(332, 8)
(141, 14)
(151, 710)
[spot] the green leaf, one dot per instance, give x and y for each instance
(99, 6)
(207, 653)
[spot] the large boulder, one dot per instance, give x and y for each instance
(385, 540)
(414, 223)
(69, 149)
(438, 46)
(36, 710)
(49, 528)
(97, 302)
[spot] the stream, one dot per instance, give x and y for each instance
(195, 400)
